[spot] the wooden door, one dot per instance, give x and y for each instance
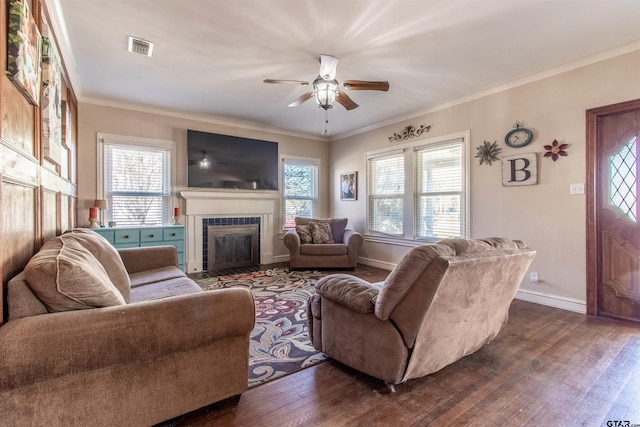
(613, 217)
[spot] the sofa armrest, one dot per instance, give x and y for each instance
(349, 291)
(146, 258)
(292, 240)
(353, 240)
(39, 348)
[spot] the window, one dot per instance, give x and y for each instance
(135, 178)
(419, 192)
(440, 202)
(300, 189)
(386, 194)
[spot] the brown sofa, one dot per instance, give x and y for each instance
(440, 303)
(311, 248)
(102, 337)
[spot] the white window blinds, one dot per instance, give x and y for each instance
(419, 191)
(137, 185)
(440, 191)
(386, 194)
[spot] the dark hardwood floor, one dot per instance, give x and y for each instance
(548, 367)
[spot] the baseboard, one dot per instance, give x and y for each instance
(375, 263)
(280, 258)
(555, 301)
(564, 303)
(365, 261)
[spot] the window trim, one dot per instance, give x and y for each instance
(107, 138)
(304, 160)
(409, 225)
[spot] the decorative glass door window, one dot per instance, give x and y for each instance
(623, 170)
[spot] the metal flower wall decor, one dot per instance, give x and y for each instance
(409, 132)
(488, 152)
(555, 150)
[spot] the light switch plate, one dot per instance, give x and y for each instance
(576, 188)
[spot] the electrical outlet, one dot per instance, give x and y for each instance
(534, 277)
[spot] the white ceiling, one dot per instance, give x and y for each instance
(211, 56)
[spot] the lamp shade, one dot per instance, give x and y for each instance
(100, 203)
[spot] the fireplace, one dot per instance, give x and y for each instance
(209, 208)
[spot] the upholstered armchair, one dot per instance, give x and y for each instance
(440, 303)
(322, 243)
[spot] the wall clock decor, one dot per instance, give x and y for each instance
(518, 136)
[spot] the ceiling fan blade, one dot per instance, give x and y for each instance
(345, 101)
(307, 96)
(364, 85)
(288, 82)
(328, 65)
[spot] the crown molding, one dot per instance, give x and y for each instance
(195, 117)
(56, 21)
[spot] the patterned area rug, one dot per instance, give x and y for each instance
(280, 342)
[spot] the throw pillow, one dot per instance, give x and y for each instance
(305, 234)
(338, 226)
(65, 276)
(321, 232)
(106, 254)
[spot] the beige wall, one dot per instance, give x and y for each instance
(95, 119)
(545, 215)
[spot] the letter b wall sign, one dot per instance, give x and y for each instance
(520, 169)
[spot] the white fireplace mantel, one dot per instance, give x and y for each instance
(220, 204)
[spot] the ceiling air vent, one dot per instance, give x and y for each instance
(143, 47)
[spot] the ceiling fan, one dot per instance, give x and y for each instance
(327, 90)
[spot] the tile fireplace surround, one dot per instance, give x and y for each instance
(214, 204)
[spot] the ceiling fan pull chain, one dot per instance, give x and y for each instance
(326, 122)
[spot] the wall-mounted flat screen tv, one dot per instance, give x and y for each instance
(231, 162)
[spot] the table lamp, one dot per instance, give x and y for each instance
(101, 204)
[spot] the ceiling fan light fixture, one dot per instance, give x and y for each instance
(325, 91)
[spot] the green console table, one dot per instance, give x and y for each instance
(133, 237)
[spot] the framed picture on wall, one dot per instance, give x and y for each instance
(24, 51)
(520, 169)
(51, 102)
(349, 186)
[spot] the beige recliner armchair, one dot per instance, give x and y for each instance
(322, 243)
(440, 303)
